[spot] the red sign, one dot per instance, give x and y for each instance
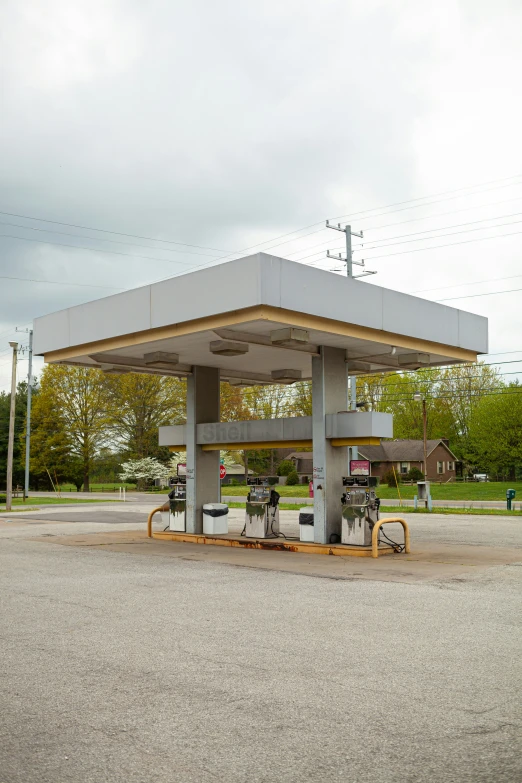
(182, 469)
(359, 467)
(222, 471)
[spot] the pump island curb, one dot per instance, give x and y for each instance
(266, 320)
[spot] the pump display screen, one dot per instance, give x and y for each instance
(359, 467)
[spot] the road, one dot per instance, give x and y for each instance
(144, 497)
(155, 661)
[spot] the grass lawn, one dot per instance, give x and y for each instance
(99, 487)
(473, 491)
(53, 500)
(397, 511)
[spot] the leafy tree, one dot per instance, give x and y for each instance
(495, 432)
(137, 405)
(70, 421)
(19, 448)
(391, 478)
(286, 466)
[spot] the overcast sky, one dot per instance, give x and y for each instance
(228, 124)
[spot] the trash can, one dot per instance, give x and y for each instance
(510, 495)
(306, 524)
(215, 519)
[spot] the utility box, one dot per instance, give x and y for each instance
(423, 490)
(510, 495)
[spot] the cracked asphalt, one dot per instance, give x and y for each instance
(123, 667)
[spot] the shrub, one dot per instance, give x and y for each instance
(3, 498)
(292, 479)
(415, 474)
(391, 479)
(286, 466)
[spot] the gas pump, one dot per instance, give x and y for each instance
(262, 509)
(178, 503)
(360, 510)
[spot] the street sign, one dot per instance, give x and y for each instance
(182, 469)
(222, 471)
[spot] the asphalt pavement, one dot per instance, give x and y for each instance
(128, 668)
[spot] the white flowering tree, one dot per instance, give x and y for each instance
(144, 470)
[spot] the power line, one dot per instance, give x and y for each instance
(103, 239)
(447, 244)
(488, 293)
(107, 231)
(459, 285)
(428, 203)
(385, 206)
(443, 214)
(442, 228)
(61, 282)
(98, 250)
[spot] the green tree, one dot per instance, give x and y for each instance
(70, 421)
(19, 449)
(137, 405)
(495, 432)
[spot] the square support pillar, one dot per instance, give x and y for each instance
(203, 484)
(329, 379)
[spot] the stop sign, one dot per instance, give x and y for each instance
(222, 471)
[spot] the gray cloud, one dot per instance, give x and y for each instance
(226, 124)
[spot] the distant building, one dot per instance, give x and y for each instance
(236, 472)
(442, 464)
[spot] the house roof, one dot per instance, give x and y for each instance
(237, 470)
(301, 455)
(401, 450)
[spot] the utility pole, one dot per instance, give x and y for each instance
(28, 416)
(347, 231)
(424, 428)
(418, 397)
(10, 444)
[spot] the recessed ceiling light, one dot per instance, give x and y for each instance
(289, 336)
(413, 360)
(228, 348)
(160, 359)
(286, 376)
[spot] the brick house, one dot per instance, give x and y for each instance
(406, 454)
(402, 454)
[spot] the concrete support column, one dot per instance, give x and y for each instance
(203, 485)
(330, 463)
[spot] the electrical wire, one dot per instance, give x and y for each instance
(459, 285)
(442, 228)
(427, 231)
(103, 239)
(60, 282)
(107, 231)
(487, 293)
(426, 204)
(447, 244)
(99, 250)
(443, 214)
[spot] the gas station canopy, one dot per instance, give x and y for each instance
(259, 319)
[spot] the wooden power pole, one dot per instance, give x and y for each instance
(10, 444)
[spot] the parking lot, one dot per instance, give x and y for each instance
(127, 659)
